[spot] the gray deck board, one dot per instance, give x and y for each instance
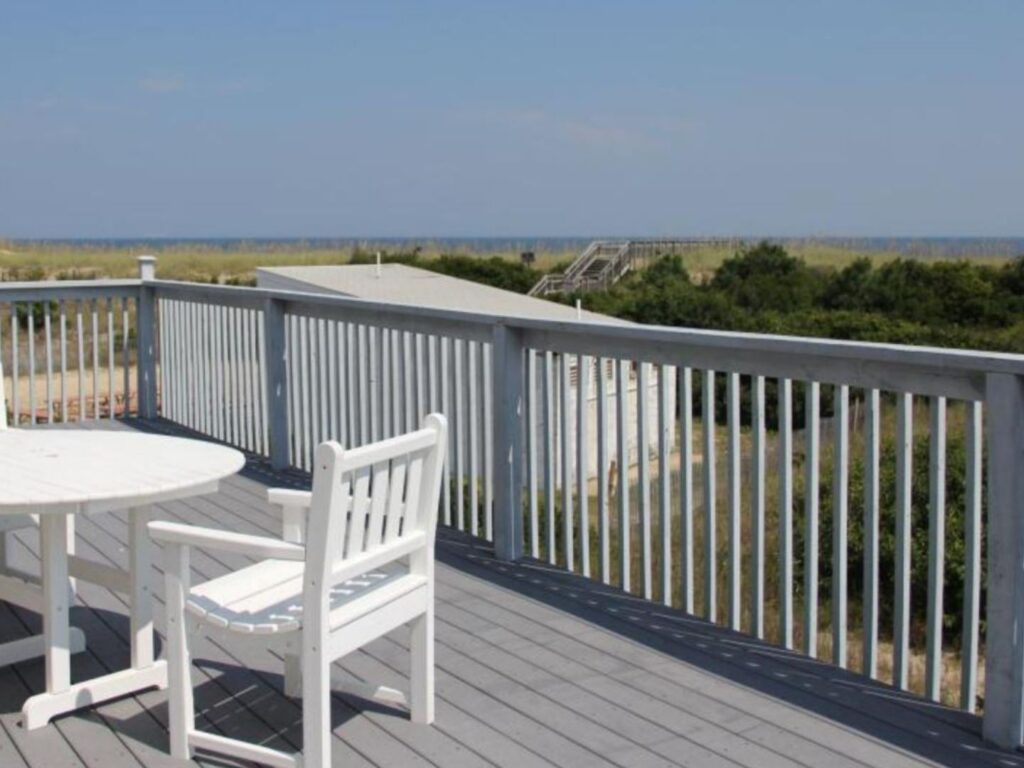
(535, 667)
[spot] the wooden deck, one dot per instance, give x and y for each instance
(534, 667)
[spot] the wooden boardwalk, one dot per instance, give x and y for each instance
(534, 667)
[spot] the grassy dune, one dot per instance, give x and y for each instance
(238, 263)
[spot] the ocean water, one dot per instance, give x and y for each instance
(910, 246)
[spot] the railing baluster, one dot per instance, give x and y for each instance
(488, 406)
(447, 405)
(422, 358)
(840, 499)
(251, 387)
(812, 430)
(643, 456)
(904, 501)
(344, 391)
(936, 548)
(216, 332)
(786, 512)
(263, 367)
(758, 467)
(531, 450)
(390, 386)
(248, 362)
(872, 450)
(313, 374)
(583, 366)
(225, 418)
(170, 363)
(47, 333)
(735, 500)
(31, 364)
(604, 537)
(549, 454)
(625, 524)
(15, 377)
(95, 360)
(80, 337)
(473, 422)
(686, 487)
(458, 381)
(306, 371)
(352, 389)
(664, 483)
(565, 458)
(972, 566)
(125, 361)
(110, 358)
(63, 361)
(710, 516)
(332, 382)
(405, 413)
(165, 359)
(459, 354)
(294, 392)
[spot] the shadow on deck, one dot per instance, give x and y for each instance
(534, 667)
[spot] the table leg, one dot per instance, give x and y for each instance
(141, 576)
(61, 696)
(56, 605)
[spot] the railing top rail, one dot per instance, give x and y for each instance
(641, 338)
(66, 289)
(896, 367)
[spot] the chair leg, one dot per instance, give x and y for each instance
(421, 704)
(181, 713)
(292, 675)
(316, 709)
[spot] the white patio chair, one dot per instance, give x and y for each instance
(363, 566)
(21, 588)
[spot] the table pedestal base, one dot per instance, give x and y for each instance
(41, 708)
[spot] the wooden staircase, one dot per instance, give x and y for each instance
(604, 262)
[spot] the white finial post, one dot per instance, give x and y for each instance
(378, 263)
(147, 267)
(579, 309)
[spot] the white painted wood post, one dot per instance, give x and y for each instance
(509, 396)
(1003, 722)
(146, 336)
(276, 362)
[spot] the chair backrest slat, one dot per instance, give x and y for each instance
(396, 498)
(371, 496)
(413, 494)
(357, 518)
(378, 504)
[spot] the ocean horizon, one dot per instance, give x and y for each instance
(911, 246)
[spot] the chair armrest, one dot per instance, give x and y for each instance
(226, 541)
(294, 507)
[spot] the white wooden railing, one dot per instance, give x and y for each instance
(595, 447)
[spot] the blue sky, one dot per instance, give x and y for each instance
(445, 118)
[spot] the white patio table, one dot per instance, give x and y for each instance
(55, 473)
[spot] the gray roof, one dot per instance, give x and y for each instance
(402, 284)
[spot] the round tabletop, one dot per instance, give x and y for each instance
(94, 470)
